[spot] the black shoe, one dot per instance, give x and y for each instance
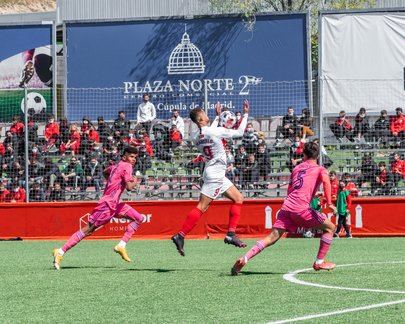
(234, 240)
(178, 240)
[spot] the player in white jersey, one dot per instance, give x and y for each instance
(209, 142)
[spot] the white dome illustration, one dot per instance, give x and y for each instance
(186, 58)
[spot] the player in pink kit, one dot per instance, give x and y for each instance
(119, 178)
(295, 212)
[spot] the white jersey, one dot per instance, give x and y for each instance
(209, 141)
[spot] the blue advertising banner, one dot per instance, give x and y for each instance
(176, 60)
(25, 58)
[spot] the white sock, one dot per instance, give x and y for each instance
(61, 252)
(122, 244)
(319, 261)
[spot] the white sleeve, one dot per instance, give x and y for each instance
(215, 122)
(153, 109)
(138, 114)
(223, 132)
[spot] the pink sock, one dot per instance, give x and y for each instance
(74, 239)
(131, 229)
(256, 249)
(326, 241)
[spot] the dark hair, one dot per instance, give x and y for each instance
(175, 109)
(145, 94)
(398, 109)
(100, 118)
(382, 163)
(121, 112)
(342, 112)
(362, 110)
(311, 150)
(346, 174)
(383, 112)
(130, 150)
(332, 173)
(194, 113)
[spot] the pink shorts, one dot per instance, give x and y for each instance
(102, 214)
(291, 221)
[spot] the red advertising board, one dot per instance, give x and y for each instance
(369, 217)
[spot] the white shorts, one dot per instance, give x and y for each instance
(212, 187)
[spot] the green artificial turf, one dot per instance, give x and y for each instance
(159, 286)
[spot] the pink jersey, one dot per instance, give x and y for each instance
(119, 175)
(304, 183)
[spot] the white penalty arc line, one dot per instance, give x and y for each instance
(291, 277)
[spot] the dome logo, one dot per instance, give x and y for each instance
(186, 58)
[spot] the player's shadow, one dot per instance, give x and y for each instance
(85, 267)
(260, 273)
(158, 270)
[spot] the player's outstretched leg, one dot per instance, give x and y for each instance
(71, 242)
(125, 211)
(256, 249)
(326, 240)
(234, 214)
(191, 221)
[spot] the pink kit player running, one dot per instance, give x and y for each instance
(119, 179)
(295, 212)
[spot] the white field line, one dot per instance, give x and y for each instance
(291, 278)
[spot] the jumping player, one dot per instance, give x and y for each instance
(295, 212)
(119, 178)
(209, 142)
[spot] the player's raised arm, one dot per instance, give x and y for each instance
(218, 110)
(233, 133)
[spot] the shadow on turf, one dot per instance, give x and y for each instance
(259, 273)
(85, 267)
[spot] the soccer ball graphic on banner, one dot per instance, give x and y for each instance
(227, 119)
(36, 103)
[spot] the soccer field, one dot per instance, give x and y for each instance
(95, 285)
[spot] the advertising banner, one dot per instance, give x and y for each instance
(363, 61)
(111, 64)
(369, 217)
(25, 57)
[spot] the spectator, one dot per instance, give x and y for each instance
(146, 113)
(342, 127)
(178, 121)
(16, 194)
(342, 207)
(397, 126)
(351, 186)
(143, 161)
(296, 152)
(35, 153)
(9, 155)
(72, 174)
(95, 151)
(93, 175)
(112, 153)
(384, 180)
(51, 173)
(3, 193)
(64, 129)
(238, 115)
(362, 126)
(37, 193)
(32, 130)
(73, 144)
(17, 173)
(85, 125)
(397, 168)
(52, 133)
(230, 160)
(305, 123)
(161, 142)
(368, 169)
(288, 128)
(250, 172)
(382, 128)
(121, 126)
(57, 193)
(17, 127)
(103, 129)
(35, 171)
(175, 137)
(89, 137)
(334, 183)
(11, 139)
(240, 161)
(263, 161)
(250, 139)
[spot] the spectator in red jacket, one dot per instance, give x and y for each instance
(3, 193)
(73, 144)
(2, 149)
(51, 131)
(398, 168)
(17, 127)
(351, 186)
(342, 127)
(397, 125)
(334, 182)
(384, 180)
(17, 194)
(175, 137)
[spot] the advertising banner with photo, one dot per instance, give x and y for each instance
(111, 64)
(25, 59)
(363, 61)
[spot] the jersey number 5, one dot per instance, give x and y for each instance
(208, 152)
(299, 181)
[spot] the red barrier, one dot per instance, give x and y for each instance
(369, 217)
